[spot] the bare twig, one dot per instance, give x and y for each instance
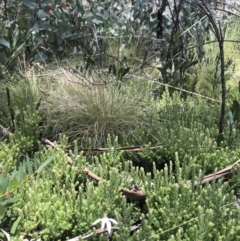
(91, 174)
(49, 144)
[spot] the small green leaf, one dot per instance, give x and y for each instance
(13, 184)
(3, 58)
(30, 4)
(10, 201)
(44, 164)
(45, 26)
(15, 225)
(123, 71)
(2, 211)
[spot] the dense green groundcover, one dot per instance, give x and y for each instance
(99, 75)
(60, 201)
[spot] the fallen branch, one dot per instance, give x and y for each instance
(91, 174)
(126, 149)
(225, 172)
(50, 144)
(133, 193)
(137, 194)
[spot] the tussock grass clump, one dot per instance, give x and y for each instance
(94, 112)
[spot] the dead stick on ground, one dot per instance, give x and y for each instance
(91, 174)
(138, 194)
(129, 193)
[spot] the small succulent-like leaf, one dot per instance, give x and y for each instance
(2, 211)
(15, 225)
(13, 184)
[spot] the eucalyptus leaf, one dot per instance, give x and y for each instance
(10, 201)
(80, 6)
(97, 21)
(41, 14)
(3, 58)
(88, 16)
(5, 43)
(45, 26)
(29, 3)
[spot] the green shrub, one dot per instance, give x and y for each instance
(189, 127)
(179, 210)
(60, 203)
(20, 115)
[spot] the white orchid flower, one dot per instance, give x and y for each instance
(9, 238)
(106, 222)
(7, 235)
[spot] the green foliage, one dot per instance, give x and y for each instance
(61, 202)
(20, 117)
(13, 48)
(13, 177)
(46, 31)
(188, 127)
(180, 210)
(111, 47)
